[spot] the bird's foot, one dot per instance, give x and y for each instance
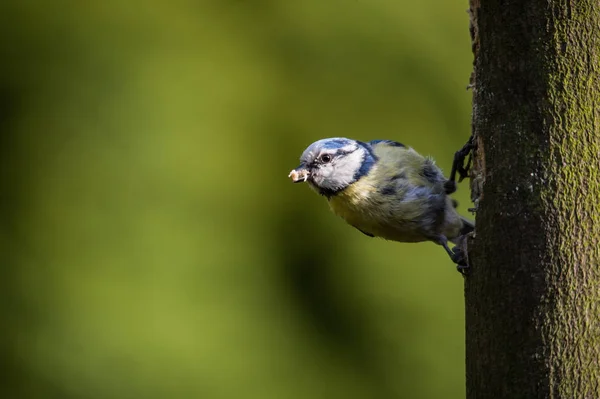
(458, 256)
(459, 166)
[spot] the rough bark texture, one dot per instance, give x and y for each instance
(533, 294)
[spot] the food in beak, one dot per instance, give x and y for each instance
(299, 176)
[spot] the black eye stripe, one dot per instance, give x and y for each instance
(320, 161)
(337, 153)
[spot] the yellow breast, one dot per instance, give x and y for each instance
(363, 207)
(354, 202)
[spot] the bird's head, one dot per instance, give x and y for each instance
(331, 165)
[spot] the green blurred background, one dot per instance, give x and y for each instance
(152, 244)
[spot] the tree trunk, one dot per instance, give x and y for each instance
(533, 293)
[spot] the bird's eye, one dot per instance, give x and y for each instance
(325, 158)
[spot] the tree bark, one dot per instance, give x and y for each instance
(533, 292)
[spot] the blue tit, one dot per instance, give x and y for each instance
(384, 189)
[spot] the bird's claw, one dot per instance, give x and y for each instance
(458, 257)
(463, 269)
(458, 166)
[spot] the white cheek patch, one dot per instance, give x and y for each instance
(340, 173)
(347, 166)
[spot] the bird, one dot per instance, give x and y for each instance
(385, 189)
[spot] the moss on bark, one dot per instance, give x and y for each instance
(533, 296)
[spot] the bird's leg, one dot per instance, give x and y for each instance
(458, 166)
(457, 256)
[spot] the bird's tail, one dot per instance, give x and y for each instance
(467, 227)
